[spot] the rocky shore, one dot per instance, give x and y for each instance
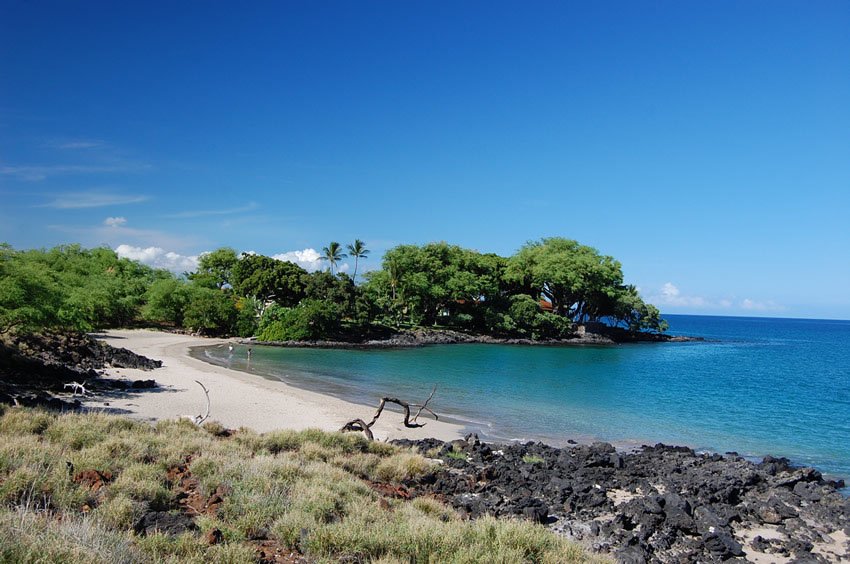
(431, 336)
(654, 504)
(657, 504)
(41, 370)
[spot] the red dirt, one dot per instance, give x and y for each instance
(390, 490)
(187, 492)
(188, 497)
(273, 552)
(93, 479)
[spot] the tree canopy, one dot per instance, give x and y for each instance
(545, 290)
(269, 279)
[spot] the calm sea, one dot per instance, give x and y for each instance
(755, 386)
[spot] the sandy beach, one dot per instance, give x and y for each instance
(237, 399)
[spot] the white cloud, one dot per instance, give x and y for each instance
(159, 258)
(93, 199)
(115, 221)
(670, 295)
(308, 259)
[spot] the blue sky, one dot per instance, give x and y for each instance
(706, 145)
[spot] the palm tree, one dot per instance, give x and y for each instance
(357, 250)
(333, 254)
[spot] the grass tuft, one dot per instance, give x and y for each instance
(533, 459)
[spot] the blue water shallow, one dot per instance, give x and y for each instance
(756, 386)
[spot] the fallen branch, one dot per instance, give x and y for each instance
(424, 406)
(366, 428)
(198, 419)
(77, 387)
(358, 425)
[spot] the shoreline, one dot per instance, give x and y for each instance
(420, 337)
(237, 399)
(668, 503)
(480, 429)
(457, 426)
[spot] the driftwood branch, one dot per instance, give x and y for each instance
(358, 425)
(366, 428)
(198, 419)
(424, 406)
(77, 387)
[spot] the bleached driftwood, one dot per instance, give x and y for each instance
(77, 387)
(366, 428)
(198, 419)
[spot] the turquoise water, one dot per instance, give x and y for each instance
(755, 386)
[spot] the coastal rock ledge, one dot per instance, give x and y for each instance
(37, 370)
(421, 336)
(656, 504)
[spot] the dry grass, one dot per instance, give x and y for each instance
(304, 489)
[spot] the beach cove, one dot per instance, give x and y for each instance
(236, 399)
(664, 502)
(754, 386)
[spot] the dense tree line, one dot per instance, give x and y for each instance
(543, 291)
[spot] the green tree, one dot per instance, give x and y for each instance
(431, 281)
(310, 320)
(29, 294)
(209, 311)
(166, 301)
(72, 287)
(531, 321)
(358, 250)
(567, 274)
(333, 254)
(629, 309)
(215, 269)
(324, 286)
(268, 279)
(248, 313)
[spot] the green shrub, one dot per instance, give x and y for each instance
(209, 311)
(456, 454)
(311, 319)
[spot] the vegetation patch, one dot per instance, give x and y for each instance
(546, 290)
(97, 488)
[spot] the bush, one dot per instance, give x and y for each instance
(310, 320)
(210, 311)
(246, 317)
(532, 321)
(166, 301)
(525, 311)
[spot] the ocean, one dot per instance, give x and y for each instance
(755, 386)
